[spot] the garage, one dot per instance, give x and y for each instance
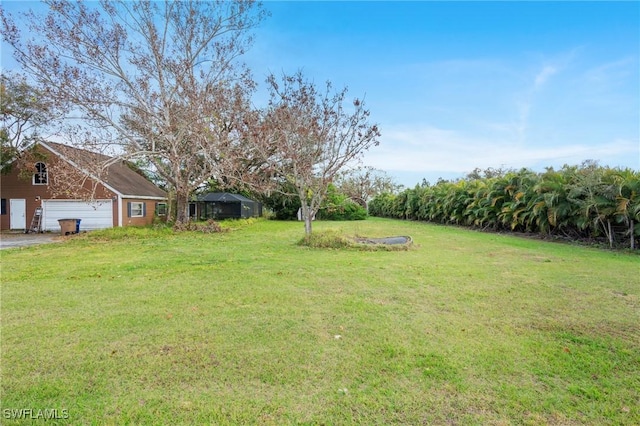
(97, 215)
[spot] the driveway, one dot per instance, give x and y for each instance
(11, 240)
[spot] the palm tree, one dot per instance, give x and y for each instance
(627, 200)
(553, 202)
(595, 196)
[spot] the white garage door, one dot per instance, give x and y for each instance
(96, 215)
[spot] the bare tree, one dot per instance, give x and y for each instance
(363, 183)
(78, 173)
(161, 80)
(307, 136)
(25, 112)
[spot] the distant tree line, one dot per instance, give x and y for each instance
(575, 202)
(346, 197)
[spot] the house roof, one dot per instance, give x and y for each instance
(120, 177)
(224, 197)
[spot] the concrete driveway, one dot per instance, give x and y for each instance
(12, 239)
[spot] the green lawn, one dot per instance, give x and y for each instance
(247, 327)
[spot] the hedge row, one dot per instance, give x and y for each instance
(575, 202)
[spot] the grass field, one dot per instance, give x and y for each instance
(142, 326)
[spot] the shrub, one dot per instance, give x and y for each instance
(210, 226)
(338, 206)
(326, 239)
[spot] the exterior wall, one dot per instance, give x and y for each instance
(12, 186)
(149, 212)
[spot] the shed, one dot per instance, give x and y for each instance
(223, 205)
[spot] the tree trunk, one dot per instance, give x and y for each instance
(306, 216)
(182, 206)
(307, 226)
(170, 209)
(631, 235)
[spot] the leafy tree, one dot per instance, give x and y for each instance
(158, 80)
(307, 136)
(338, 206)
(382, 205)
(487, 173)
(282, 202)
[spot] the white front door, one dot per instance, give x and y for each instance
(18, 219)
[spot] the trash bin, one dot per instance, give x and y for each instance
(68, 226)
(78, 226)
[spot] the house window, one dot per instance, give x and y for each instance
(161, 209)
(40, 176)
(136, 209)
(4, 206)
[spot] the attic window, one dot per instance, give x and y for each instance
(40, 176)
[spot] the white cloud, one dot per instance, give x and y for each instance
(544, 75)
(612, 71)
(429, 149)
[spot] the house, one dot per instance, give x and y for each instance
(223, 205)
(120, 196)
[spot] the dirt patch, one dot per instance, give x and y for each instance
(386, 240)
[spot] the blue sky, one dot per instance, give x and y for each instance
(459, 85)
